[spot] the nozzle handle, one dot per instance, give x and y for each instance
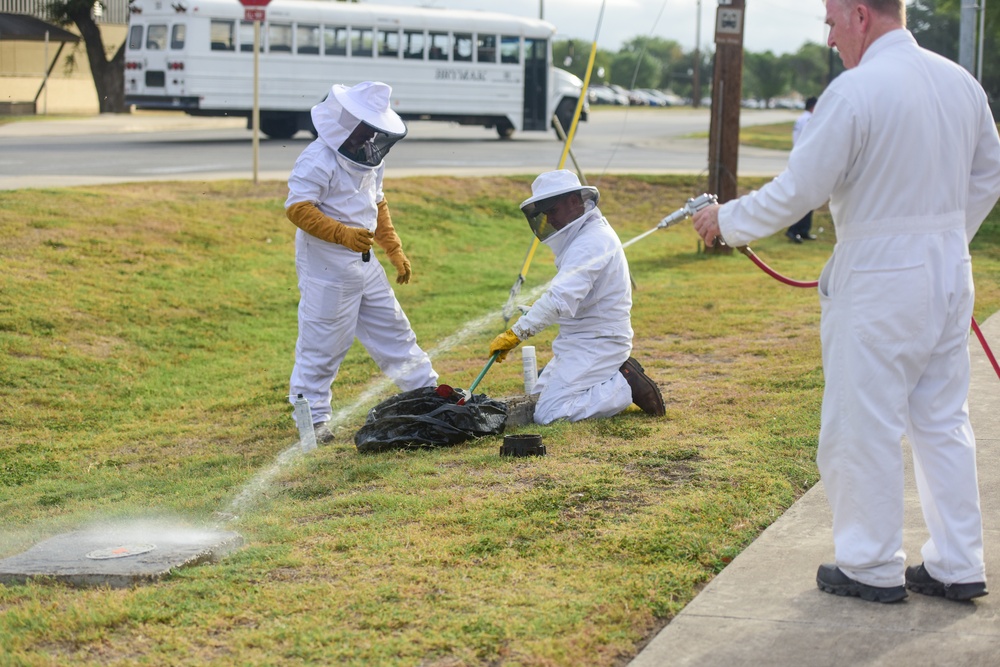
(691, 206)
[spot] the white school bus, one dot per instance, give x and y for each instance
(466, 67)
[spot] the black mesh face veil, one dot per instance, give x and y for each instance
(369, 145)
(537, 215)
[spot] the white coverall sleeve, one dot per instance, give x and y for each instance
(309, 181)
(817, 166)
(568, 289)
(984, 181)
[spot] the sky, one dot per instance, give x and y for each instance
(780, 26)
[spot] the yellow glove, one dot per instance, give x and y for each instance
(388, 240)
(503, 344)
(402, 265)
(311, 220)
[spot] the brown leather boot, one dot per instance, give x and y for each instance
(645, 393)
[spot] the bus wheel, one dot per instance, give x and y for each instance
(564, 112)
(279, 126)
(505, 128)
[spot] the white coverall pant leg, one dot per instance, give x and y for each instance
(893, 345)
(944, 455)
(361, 303)
(583, 381)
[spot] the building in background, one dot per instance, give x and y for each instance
(51, 76)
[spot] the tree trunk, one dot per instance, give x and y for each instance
(108, 75)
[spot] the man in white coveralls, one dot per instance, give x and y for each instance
(591, 373)
(904, 146)
(335, 198)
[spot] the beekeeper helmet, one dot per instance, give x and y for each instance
(358, 122)
(547, 192)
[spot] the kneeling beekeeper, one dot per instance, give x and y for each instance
(591, 373)
(335, 198)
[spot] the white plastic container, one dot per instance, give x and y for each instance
(530, 368)
(303, 419)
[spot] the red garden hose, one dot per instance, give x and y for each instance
(813, 283)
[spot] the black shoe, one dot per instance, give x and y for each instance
(830, 579)
(794, 238)
(919, 580)
(645, 393)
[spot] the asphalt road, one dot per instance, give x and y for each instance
(167, 146)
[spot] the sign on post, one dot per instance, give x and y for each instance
(256, 11)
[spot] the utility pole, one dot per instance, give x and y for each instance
(727, 92)
(982, 39)
(967, 36)
(696, 70)
(541, 9)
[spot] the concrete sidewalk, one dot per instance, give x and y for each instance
(764, 608)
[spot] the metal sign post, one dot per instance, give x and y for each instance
(256, 11)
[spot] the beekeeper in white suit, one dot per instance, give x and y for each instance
(905, 147)
(591, 373)
(335, 198)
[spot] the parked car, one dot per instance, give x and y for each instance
(666, 98)
(601, 94)
(632, 97)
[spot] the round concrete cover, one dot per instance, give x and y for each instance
(121, 551)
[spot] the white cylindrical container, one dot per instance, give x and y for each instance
(303, 419)
(530, 368)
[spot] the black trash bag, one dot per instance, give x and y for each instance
(426, 418)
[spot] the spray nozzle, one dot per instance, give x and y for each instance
(691, 206)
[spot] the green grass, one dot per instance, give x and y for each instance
(147, 336)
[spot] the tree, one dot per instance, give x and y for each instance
(935, 25)
(809, 68)
(109, 75)
(635, 70)
(573, 56)
(768, 77)
(934, 28)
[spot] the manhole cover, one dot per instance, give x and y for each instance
(121, 552)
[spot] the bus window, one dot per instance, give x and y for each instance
(361, 42)
(535, 50)
(222, 36)
(135, 38)
(463, 48)
(279, 37)
(307, 39)
(510, 49)
(439, 46)
(487, 48)
(388, 44)
(246, 37)
(413, 44)
(156, 38)
(177, 36)
(334, 40)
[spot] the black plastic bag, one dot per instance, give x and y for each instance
(426, 418)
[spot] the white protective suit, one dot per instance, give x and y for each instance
(906, 149)
(591, 300)
(342, 296)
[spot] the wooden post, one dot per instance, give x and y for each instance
(727, 93)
